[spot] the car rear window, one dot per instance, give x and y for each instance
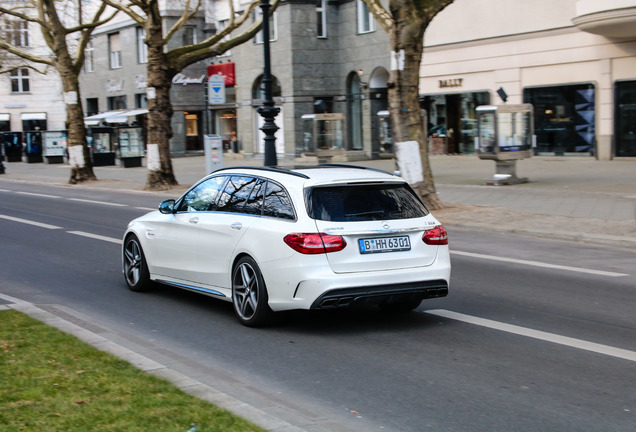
(364, 203)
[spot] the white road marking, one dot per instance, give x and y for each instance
(536, 334)
(98, 202)
(539, 264)
(95, 236)
(39, 195)
(29, 222)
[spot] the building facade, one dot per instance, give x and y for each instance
(575, 61)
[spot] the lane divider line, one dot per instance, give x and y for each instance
(38, 195)
(95, 236)
(29, 222)
(537, 334)
(538, 264)
(106, 203)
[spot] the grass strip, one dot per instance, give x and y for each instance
(51, 381)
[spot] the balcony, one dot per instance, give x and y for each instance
(610, 18)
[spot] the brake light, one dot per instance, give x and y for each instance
(436, 236)
(315, 243)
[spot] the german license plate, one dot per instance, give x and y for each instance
(384, 244)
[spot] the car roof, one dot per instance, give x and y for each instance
(316, 174)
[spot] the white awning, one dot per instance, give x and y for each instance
(117, 118)
(96, 119)
(137, 112)
(5, 117)
(33, 116)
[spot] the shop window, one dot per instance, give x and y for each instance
(114, 48)
(5, 123)
(625, 118)
(564, 118)
(20, 80)
(366, 21)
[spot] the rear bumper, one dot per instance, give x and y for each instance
(392, 293)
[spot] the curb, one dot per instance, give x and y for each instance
(193, 387)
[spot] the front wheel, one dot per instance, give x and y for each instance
(135, 268)
(249, 294)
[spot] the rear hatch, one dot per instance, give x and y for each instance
(382, 224)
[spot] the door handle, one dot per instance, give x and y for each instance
(236, 226)
(194, 220)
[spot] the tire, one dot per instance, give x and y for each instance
(249, 294)
(400, 307)
(135, 268)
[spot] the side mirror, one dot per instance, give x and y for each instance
(167, 207)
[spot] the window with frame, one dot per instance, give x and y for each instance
(189, 35)
(114, 48)
(141, 100)
(116, 103)
(89, 58)
(321, 19)
(16, 32)
(235, 194)
(142, 48)
(273, 31)
(366, 21)
(203, 196)
(277, 203)
(20, 80)
(223, 24)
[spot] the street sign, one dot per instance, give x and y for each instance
(216, 90)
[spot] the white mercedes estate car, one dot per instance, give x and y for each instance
(275, 239)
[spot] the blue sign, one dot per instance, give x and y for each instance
(216, 90)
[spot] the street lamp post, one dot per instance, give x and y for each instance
(268, 111)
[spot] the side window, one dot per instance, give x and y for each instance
(254, 204)
(235, 194)
(203, 196)
(277, 202)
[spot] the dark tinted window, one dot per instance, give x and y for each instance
(364, 203)
(202, 196)
(254, 204)
(277, 202)
(235, 194)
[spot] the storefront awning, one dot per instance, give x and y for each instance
(5, 117)
(113, 117)
(33, 116)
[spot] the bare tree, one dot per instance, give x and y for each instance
(405, 21)
(66, 31)
(164, 64)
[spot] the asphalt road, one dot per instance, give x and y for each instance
(536, 335)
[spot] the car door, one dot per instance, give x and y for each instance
(222, 229)
(176, 237)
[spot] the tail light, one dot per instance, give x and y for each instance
(436, 236)
(315, 243)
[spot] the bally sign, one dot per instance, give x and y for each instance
(454, 82)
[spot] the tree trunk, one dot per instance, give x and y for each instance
(407, 43)
(160, 173)
(79, 154)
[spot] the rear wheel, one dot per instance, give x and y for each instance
(249, 294)
(135, 268)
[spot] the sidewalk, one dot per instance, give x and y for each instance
(570, 198)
